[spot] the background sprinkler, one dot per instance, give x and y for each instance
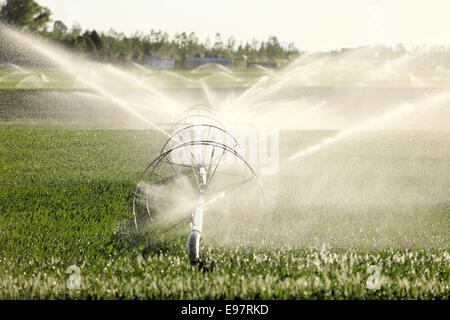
(197, 178)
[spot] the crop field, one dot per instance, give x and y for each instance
(158, 166)
(50, 79)
(65, 198)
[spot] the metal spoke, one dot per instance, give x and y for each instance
(206, 146)
(176, 174)
(177, 164)
(193, 170)
(212, 176)
(234, 146)
(234, 186)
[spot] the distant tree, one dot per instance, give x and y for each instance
(273, 48)
(207, 44)
(135, 47)
(76, 29)
(96, 39)
(255, 44)
(116, 47)
(25, 14)
(194, 49)
(90, 45)
(80, 44)
(231, 44)
(292, 49)
(218, 47)
(181, 41)
(59, 29)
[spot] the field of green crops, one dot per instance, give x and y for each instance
(65, 199)
(50, 79)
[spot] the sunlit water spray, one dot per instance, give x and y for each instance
(396, 113)
(85, 73)
(142, 68)
(265, 104)
(343, 134)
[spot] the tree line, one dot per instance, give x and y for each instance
(116, 47)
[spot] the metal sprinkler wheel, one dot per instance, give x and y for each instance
(198, 181)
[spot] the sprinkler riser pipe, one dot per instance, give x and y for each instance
(197, 220)
(202, 173)
(193, 247)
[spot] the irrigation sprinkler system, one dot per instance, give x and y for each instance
(198, 167)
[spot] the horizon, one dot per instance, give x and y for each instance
(358, 23)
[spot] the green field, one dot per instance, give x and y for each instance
(358, 207)
(52, 79)
(65, 198)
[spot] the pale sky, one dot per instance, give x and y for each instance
(311, 25)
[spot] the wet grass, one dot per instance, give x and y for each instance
(65, 198)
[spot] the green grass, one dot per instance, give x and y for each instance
(65, 198)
